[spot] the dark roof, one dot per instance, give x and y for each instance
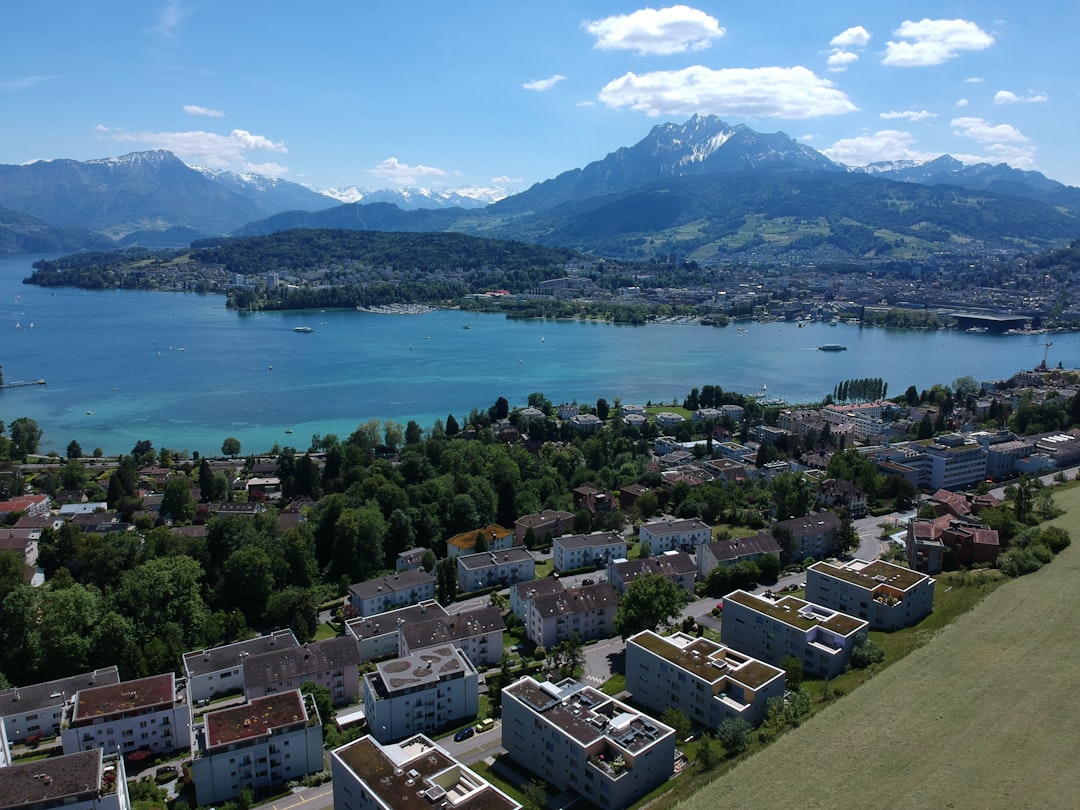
(227, 656)
(379, 624)
(445, 629)
(298, 662)
(811, 524)
(738, 547)
(24, 699)
(593, 540)
(665, 526)
(576, 600)
(401, 581)
(665, 564)
(52, 782)
(540, 586)
(259, 717)
(486, 559)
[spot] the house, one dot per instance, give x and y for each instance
(494, 568)
(812, 535)
(629, 494)
(574, 551)
(567, 411)
(735, 550)
(837, 493)
(415, 774)
(967, 543)
(669, 534)
(333, 662)
(635, 420)
(478, 633)
(391, 591)
(410, 560)
(678, 566)
(378, 636)
(85, 780)
(38, 709)
(592, 500)
(547, 524)
(30, 505)
(420, 693)
(23, 542)
(703, 415)
(234, 508)
(586, 423)
(576, 738)
(821, 638)
(149, 713)
(706, 681)
(270, 486)
(258, 746)
(888, 596)
(588, 611)
(520, 594)
(496, 537)
(219, 670)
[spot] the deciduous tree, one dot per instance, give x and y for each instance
(651, 600)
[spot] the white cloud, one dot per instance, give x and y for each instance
(503, 180)
(974, 80)
(102, 128)
(931, 42)
(267, 169)
(908, 115)
(544, 84)
(24, 82)
(839, 60)
(984, 132)
(585, 103)
(403, 174)
(1009, 97)
(650, 31)
(962, 102)
(195, 109)
(887, 144)
(768, 92)
(208, 148)
(170, 17)
(855, 37)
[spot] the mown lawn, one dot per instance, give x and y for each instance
(983, 715)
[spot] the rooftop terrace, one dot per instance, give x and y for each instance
(873, 574)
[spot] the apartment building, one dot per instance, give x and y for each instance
(577, 738)
(820, 637)
(478, 633)
(812, 535)
(523, 591)
(588, 611)
(678, 566)
(669, 534)
(573, 551)
(886, 595)
(149, 713)
(420, 693)
(549, 523)
(415, 774)
(392, 591)
(334, 663)
(494, 568)
(257, 746)
(956, 461)
(379, 636)
(706, 681)
(38, 709)
(85, 780)
(735, 550)
(219, 670)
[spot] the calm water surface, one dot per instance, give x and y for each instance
(184, 372)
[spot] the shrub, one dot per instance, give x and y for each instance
(866, 652)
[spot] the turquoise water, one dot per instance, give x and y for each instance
(184, 372)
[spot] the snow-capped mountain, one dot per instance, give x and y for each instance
(410, 199)
(269, 192)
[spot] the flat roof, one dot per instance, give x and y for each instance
(126, 696)
(872, 574)
(708, 660)
(787, 609)
(486, 559)
(36, 696)
(256, 718)
(49, 782)
(423, 667)
(203, 662)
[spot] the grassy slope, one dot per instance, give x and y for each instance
(984, 716)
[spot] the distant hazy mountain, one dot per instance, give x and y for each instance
(410, 199)
(22, 233)
(271, 193)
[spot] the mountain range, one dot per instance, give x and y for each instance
(702, 189)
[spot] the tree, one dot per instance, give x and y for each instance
(847, 539)
(324, 703)
(706, 754)
(792, 494)
(568, 656)
(602, 409)
(535, 796)
(231, 447)
(794, 669)
(74, 449)
(446, 581)
(177, 503)
(25, 436)
(866, 652)
(651, 600)
(734, 735)
(296, 609)
(677, 720)
(452, 428)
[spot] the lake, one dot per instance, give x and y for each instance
(185, 372)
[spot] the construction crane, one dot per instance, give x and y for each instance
(1046, 351)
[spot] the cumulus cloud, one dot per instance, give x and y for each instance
(544, 84)
(931, 42)
(650, 31)
(887, 144)
(768, 92)
(503, 180)
(24, 82)
(402, 174)
(983, 131)
(908, 115)
(208, 148)
(839, 60)
(974, 80)
(1009, 97)
(195, 109)
(855, 37)
(962, 102)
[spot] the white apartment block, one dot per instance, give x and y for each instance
(219, 670)
(420, 693)
(888, 596)
(86, 780)
(706, 681)
(597, 549)
(577, 738)
(379, 636)
(588, 611)
(257, 746)
(523, 591)
(395, 590)
(667, 420)
(955, 461)
(820, 637)
(38, 709)
(478, 633)
(333, 662)
(669, 534)
(151, 713)
(494, 568)
(415, 774)
(678, 566)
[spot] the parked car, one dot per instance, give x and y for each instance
(588, 581)
(484, 725)
(464, 734)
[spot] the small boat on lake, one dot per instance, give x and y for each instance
(303, 329)
(832, 347)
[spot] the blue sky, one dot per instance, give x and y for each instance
(480, 94)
